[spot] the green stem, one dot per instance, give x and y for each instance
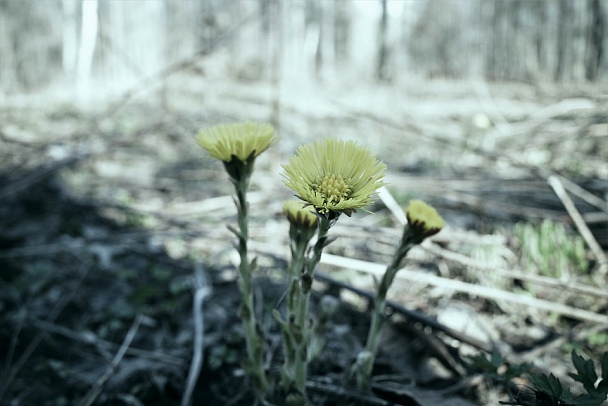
(311, 264)
(301, 316)
(294, 293)
(253, 336)
(297, 333)
(324, 226)
(363, 371)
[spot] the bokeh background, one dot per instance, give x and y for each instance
(496, 112)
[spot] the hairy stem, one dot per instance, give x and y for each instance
(363, 369)
(253, 335)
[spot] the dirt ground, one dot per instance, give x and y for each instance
(112, 218)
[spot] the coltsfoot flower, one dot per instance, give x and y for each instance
(334, 176)
(242, 140)
(423, 219)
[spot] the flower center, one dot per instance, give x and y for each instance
(333, 188)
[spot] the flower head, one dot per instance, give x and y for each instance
(298, 215)
(303, 224)
(423, 219)
(334, 176)
(243, 141)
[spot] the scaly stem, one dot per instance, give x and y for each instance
(364, 365)
(291, 330)
(301, 359)
(253, 335)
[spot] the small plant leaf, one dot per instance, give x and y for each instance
(602, 386)
(589, 399)
(497, 358)
(605, 366)
(329, 240)
(586, 372)
(277, 316)
(549, 385)
(253, 264)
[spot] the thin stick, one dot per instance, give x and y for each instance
(410, 314)
(583, 194)
(595, 248)
(202, 291)
(103, 345)
(29, 350)
(96, 389)
(476, 290)
(342, 392)
(38, 175)
(514, 273)
(391, 203)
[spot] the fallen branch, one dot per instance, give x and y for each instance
(202, 291)
(345, 393)
(38, 175)
(595, 248)
(11, 373)
(102, 345)
(515, 274)
(471, 289)
(583, 194)
(97, 388)
(410, 314)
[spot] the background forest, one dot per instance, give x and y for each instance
(114, 256)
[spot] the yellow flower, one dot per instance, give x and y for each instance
(298, 215)
(243, 141)
(423, 219)
(334, 176)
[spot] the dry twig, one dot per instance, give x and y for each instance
(104, 346)
(515, 274)
(201, 292)
(595, 248)
(471, 289)
(97, 388)
(29, 350)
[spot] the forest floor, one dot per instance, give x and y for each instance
(112, 219)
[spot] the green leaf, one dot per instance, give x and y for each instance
(602, 386)
(329, 240)
(277, 316)
(480, 362)
(253, 264)
(605, 366)
(497, 358)
(586, 372)
(234, 231)
(549, 385)
(589, 399)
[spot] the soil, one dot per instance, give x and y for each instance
(108, 217)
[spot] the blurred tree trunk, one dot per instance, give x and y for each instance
(70, 37)
(86, 48)
(596, 51)
(382, 56)
(561, 40)
(277, 57)
(134, 37)
(571, 40)
(294, 39)
(321, 23)
(342, 27)
(184, 25)
(30, 44)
